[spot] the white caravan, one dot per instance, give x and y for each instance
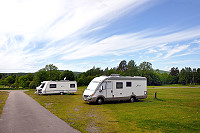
(116, 87)
(57, 87)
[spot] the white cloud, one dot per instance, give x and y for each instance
(175, 50)
(56, 23)
(128, 43)
(35, 32)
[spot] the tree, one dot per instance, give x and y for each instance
(68, 74)
(173, 77)
(80, 82)
(30, 76)
(145, 67)
(122, 66)
(132, 69)
(32, 85)
(106, 72)
(197, 77)
(41, 75)
(163, 77)
(146, 70)
(23, 81)
(174, 71)
(16, 84)
(94, 72)
(154, 79)
(10, 80)
(53, 72)
(186, 76)
(88, 79)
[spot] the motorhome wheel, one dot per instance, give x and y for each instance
(132, 99)
(99, 101)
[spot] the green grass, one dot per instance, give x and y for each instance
(3, 98)
(2, 87)
(173, 85)
(174, 110)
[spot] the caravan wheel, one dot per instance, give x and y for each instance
(99, 101)
(61, 93)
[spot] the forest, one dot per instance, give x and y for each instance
(154, 77)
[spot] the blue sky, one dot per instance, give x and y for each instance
(77, 35)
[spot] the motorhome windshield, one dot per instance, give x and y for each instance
(42, 85)
(93, 85)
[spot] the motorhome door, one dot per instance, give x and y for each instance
(109, 91)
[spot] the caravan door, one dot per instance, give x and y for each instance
(109, 91)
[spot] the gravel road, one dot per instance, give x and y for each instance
(22, 114)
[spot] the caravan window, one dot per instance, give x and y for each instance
(72, 85)
(119, 85)
(128, 84)
(52, 85)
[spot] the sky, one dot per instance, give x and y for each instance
(79, 34)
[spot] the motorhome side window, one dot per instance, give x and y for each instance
(119, 85)
(52, 85)
(128, 84)
(72, 85)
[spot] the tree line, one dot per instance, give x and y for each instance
(184, 76)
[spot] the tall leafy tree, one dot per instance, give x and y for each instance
(146, 70)
(53, 71)
(94, 72)
(10, 80)
(173, 77)
(197, 77)
(23, 81)
(122, 66)
(106, 71)
(183, 77)
(68, 74)
(41, 75)
(174, 71)
(132, 68)
(186, 76)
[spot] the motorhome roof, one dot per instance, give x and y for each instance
(126, 78)
(99, 79)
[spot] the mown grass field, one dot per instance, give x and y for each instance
(175, 110)
(3, 98)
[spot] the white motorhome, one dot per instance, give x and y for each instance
(57, 87)
(116, 87)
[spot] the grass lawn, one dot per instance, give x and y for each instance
(174, 86)
(3, 97)
(2, 87)
(175, 110)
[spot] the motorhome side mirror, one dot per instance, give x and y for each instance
(101, 89)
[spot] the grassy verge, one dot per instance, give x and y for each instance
(3, 98)
(174, 110)
(2, 87)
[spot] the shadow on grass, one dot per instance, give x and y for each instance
(113, 102)
(157, 99)
(57, 94)
(126, 101)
